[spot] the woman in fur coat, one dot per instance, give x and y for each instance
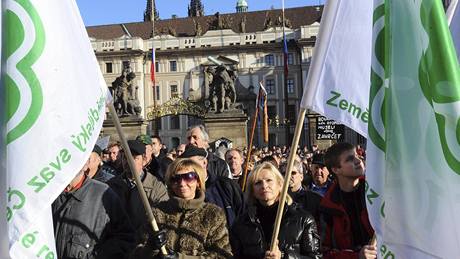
(189, 227)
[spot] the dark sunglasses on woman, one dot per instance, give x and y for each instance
(187, 177)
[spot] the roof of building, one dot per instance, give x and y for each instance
(191, 26)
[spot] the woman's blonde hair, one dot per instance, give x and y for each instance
(185, 163)
(254, 176)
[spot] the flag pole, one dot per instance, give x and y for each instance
(285, 81)
(251, 139)
(312, 79)
(154, 67)
(290, 164)
(140, 188)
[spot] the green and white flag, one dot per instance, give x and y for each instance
(55, 105)
(338, 80)
(413, 156)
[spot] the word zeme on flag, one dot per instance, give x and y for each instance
(55, 106)
(413, 155)
(338, 81)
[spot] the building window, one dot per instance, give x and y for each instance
(126, 64)
(290, 59)
(269, 60)
(271, 110)
(270, 86)
(191, 121)
(157, 66)
(290, 86)
(159, 123)
(173, 89)
(174, 122)
(108, 68)
(291, 116)
(172, 66)
(157, 92)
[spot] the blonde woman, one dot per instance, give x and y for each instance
(251, 233)
(190, 228)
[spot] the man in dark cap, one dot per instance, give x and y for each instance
(320, 175)
(220, 190)
(125, 186)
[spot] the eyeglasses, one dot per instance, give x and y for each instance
(187, 177)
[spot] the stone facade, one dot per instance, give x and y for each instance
(182, 47)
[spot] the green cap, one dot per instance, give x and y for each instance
(146, 139)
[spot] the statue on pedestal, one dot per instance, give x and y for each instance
(125, 94)
(222, 93)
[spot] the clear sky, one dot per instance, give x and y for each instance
(98, 12)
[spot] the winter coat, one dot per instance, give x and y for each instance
(91, 223)
(298, 236)
(223, 192)
(194, 229)
(218, 166)
(337, 237)
(307, 200)
(127, 191)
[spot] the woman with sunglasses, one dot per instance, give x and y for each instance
(252, 232)
(189, 227)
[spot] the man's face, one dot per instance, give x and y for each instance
(319, 174)
(295, 182)
(350, 165)
(195, 137)
(156, 146)
(139, 163)
(113, 152)
(235, 161)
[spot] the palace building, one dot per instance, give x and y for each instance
(250, 41)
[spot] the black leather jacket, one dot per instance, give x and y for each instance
(298, 236)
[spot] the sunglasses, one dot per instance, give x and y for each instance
(187, 177)
(292, 172)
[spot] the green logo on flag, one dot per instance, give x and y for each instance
(439, 77)
(376, 125)
(24, 44)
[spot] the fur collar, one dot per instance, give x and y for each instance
(183, 204)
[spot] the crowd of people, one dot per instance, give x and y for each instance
(206, 206)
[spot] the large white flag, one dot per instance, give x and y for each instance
(413, 158)
(55, 104)
(338, 81)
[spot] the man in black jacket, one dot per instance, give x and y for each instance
(198, 136)
(90, 222)
(221, 191)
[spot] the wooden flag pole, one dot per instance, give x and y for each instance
(251, 139)
(140, 188)
(290, 164)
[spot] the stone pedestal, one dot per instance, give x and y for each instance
(231, 124)
(132, 127)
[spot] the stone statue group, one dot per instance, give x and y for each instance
(222, 93)
(125, 94)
